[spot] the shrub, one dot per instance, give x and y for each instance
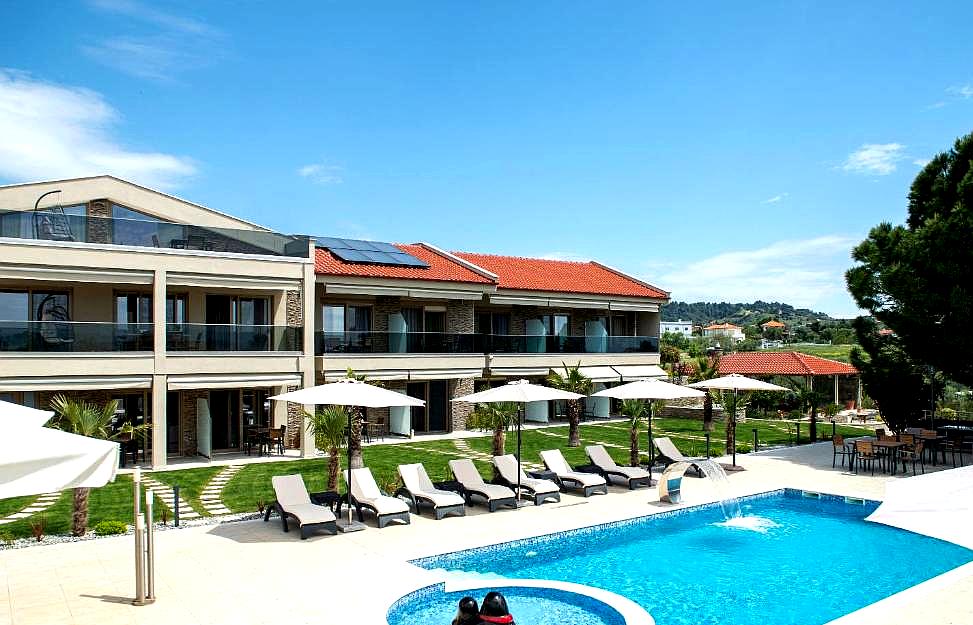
(110, 528)
(37, 528)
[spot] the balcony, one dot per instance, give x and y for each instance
(448, 343)
(208, 337)
(74, 337)
(48, 226)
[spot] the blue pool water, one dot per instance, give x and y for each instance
(530, 606)
(801, 561)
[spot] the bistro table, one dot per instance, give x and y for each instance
(891, 448)
(934, 443)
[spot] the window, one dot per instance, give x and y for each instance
(253, 311)
(133, 308)
(130, 227)
(346, 318)
(492, 323)
(50, 306)
(176, 309)
(552, 325)
(13, 306)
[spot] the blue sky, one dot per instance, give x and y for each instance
(724, 153)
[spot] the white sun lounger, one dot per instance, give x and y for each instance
(633, 476)
(587, 483)
(542, 490)
(366, 494)
(293, 501)
(494, 495)
(420, 490)
(669, 453)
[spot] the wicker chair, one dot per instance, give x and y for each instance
(841, 449)
(912, 454)
(865, 454)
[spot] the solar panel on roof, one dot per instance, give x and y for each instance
(368, 252)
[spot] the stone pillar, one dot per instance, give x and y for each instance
(159, 445)
(460, 411)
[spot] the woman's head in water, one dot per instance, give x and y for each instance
(494, 609)
(468, 607)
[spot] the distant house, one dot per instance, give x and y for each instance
(684, 328)
(724, 329)
(773, 324)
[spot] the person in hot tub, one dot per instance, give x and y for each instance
(494, 609)
(467, 613)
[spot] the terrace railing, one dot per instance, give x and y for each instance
(208, 337)
(453, 343)
(74, 336)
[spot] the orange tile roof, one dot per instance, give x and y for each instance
(781, 363)
(440, 267)
(722, 326)
(537, 274)
(774, 324)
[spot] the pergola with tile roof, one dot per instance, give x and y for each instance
(789, 364)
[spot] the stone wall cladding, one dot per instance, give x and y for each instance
(99, 230)
(295, 308)
(459, 317)
(295, 421)
(460, 410)
(687, 412)
(187, 419)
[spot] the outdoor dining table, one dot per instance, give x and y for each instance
(891, 447)
(934, 443)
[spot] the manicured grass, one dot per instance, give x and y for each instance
(14, 504)
(190, 482)
(834, 352)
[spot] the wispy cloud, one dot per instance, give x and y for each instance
(921, 162)
(964, 92)
(51, 130)
(321, 173)
(935, 105)
(177, 44)
(807, 272)
(875, 159)
(777, 198)
(569, 256)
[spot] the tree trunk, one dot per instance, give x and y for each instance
(708, 413)
(731, 433)
(334, 466)
(354, 439)
(79, 515)
(499, 446)
(814, 423)
(574, 421)
(633, 446)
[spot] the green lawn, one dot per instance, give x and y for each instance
(14, 504)
(252, 483)
(834, 352)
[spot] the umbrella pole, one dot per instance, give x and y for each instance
(651, 445)
(351, 409)
(518, 454)
(734, 418)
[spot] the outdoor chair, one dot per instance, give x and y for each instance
(913, 454)
(669, 453)
(587, 483)
(840, 449)
(293, 501)
(275, 439)
(420, 490)
(633, 476)
(865, 454)
(494, 495)
(540, 490)
(365, 494)
(956, 444)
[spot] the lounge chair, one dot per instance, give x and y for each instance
(588, 483)
(541, 490)
(420, 490)
(366, 494)
(494, 495)
(633, 476)
(294, 501)
(668, 452)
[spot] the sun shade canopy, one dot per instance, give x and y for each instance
(518, 391)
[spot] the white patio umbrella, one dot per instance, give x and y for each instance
(349, 393)
(520, 392)
(737, 382)
(35, 459)
(650, 389)
(935, 504)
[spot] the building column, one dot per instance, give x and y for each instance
(836, 389)
(278, 409)
(307, 359)
(159, 387)
(279, 317)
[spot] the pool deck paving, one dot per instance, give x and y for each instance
(252, 573)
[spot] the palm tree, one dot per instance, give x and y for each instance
(636, 410)
(809, 400)
(706, 369)
(496, 418)
(327, 426)
(576, 382)
(357, 418)
(85, 419)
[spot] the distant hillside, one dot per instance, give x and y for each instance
(740, 314)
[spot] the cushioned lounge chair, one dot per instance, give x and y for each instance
(540, 490)
(668, 453)
(494, 495)
(420, 490)
(293, 501)
(633, 476)
(587, 483)
(366, 494)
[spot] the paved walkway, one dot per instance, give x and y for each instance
(212, 496)
(251, 573)
(168, 497)
(40, 504)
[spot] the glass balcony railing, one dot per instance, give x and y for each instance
(48, 226)
(449, 343)
(74, 336)
(208, 337)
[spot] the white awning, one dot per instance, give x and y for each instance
(75, 383)
(253, 283)
(935, 504)
(182, 382)
(445, 374)
(378, 374)
(639, 372)
(600, 374)
(519, 372)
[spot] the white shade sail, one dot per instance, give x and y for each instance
(638, 372)
(16, 416)
(42, 460)
(737, 382)
(349, 393)
(518, 391)
(935, 504)
(650, 389)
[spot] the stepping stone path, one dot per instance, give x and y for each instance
(464, 448)
(40, 504)
(165, 493)
(211, 498)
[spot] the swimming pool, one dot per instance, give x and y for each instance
(794, 560)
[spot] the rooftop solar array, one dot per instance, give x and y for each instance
(368, 252)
